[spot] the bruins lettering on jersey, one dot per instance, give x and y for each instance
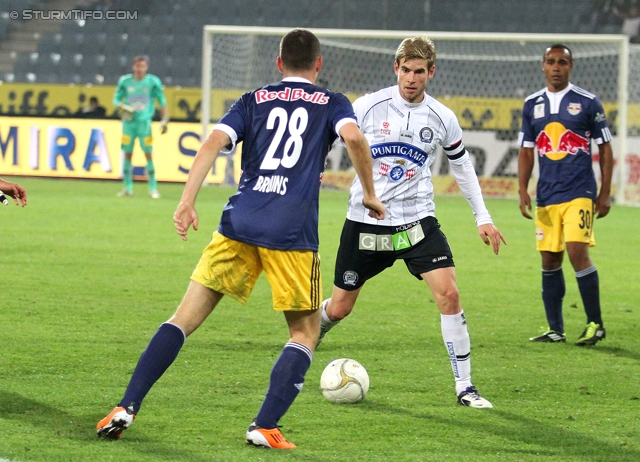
(275, 184)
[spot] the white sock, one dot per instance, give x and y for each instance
(325, 322)
(456, 340)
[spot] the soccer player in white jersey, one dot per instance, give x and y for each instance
(270, 224)
(404, 125)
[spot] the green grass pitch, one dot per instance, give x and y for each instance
(86, 278)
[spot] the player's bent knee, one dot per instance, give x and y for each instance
(448, 301)
(339, 311)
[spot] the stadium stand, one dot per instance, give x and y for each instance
(170, 32)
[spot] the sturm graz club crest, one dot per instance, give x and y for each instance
(350, 278)
(426, 135)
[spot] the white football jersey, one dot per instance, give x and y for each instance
(403, 138)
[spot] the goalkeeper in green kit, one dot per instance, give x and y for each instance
(135, 95)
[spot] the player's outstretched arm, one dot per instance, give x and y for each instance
(186, 215)
(15, 191)
(525, 167)
(603, 201)
(360, 154)
(491, 236)
(465, 175)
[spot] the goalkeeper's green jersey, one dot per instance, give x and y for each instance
(140, 94)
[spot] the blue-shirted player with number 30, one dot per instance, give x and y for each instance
(270, 224)
(559, 122)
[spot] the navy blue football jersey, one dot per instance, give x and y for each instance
(560, 126)
(286, 130)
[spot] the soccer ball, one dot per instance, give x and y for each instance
(344, 381)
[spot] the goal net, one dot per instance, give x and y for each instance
(482, 77)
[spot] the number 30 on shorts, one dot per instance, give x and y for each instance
(585, 219)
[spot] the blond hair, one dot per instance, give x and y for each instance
(419, 47)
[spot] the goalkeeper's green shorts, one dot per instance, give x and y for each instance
(140, 129)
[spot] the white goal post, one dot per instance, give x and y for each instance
(483, 77)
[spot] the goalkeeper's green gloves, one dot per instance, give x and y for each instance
(126, 112)
(163, 125)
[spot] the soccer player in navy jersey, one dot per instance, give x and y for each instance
(270, 224)
(559, 123)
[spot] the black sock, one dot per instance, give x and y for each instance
(553, 290)
(287, 378)
(589, 285)
(162, 350)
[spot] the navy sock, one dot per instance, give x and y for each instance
(287, 378)
(162, 350)
(589, 285)
(553, 290)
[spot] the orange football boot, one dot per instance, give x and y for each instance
(115, 423)
(267, 437)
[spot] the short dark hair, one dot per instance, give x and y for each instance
(93, 99)
(299, 50)
(557, 46)
(144, 58)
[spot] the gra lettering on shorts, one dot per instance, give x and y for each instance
(407, 236)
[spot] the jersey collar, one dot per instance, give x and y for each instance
(555, 98)
(559, 94)
(296, 79)
(403, 103)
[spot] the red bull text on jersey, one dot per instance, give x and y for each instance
(560, 126)
(286, 131)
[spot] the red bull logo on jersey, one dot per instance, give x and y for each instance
(291, 94)
(556, 142)
(574, 108)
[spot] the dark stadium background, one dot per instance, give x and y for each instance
(98, 52)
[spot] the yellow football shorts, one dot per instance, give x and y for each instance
(232, 268)
(567, 222)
